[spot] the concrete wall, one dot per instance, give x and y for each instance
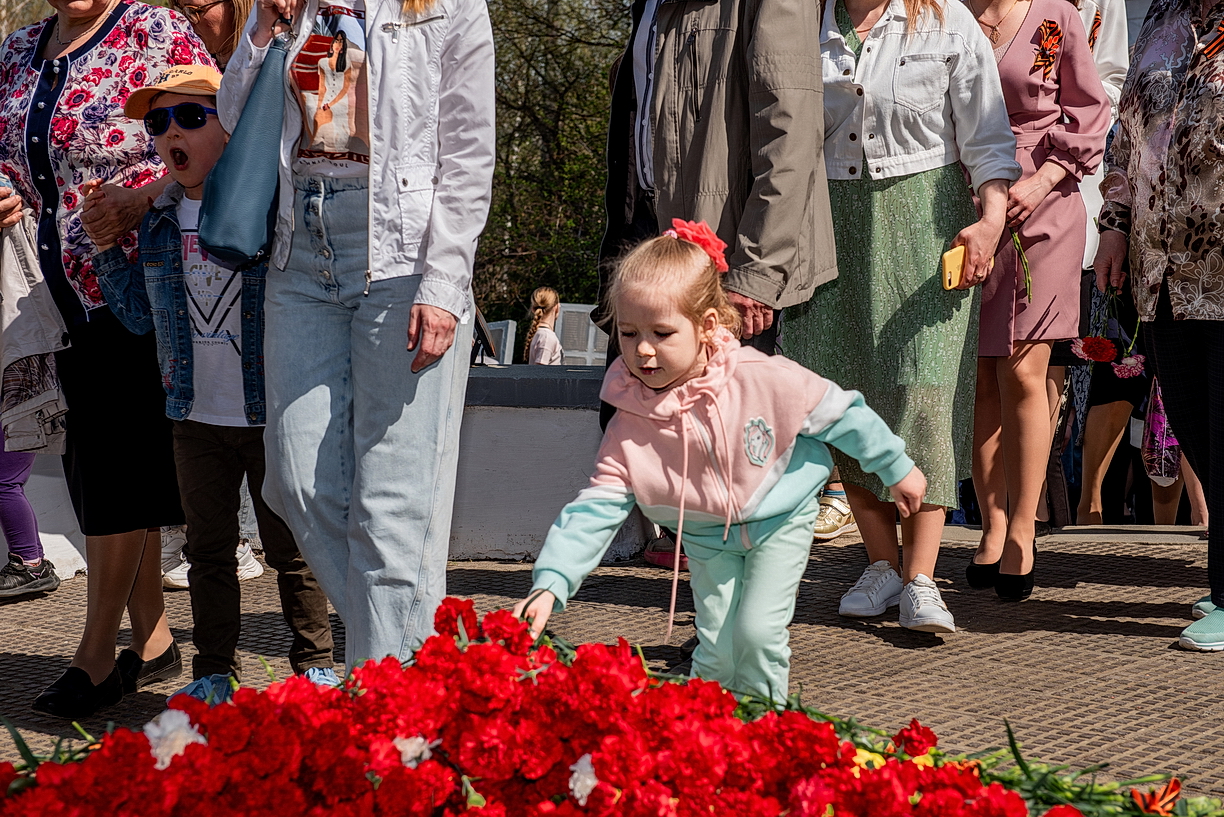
(517, 469)
(527, 447)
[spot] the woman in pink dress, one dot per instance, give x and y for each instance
(1060, 114)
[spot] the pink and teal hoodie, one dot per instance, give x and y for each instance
(733, 453)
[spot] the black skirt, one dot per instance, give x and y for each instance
(119, 457)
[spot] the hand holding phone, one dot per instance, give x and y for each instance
(953, 267)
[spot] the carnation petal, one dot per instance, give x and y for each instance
(169, 734)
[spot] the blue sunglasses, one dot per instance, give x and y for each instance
(188, 115)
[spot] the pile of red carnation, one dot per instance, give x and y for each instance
(482, 721)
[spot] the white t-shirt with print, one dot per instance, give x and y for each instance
(330, 81)
(214, 309)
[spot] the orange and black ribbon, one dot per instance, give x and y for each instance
(1217, 42)
(1095, 31)
(1047, 49)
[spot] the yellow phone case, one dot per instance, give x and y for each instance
(953, 267)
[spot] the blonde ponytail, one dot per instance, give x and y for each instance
(542, 302)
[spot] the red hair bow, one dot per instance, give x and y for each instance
(700, 234)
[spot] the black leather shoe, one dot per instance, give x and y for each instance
(137, 674)
(73, 695)
(1011, 587)
(982, 576)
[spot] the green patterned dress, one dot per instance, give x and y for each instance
(887, 328)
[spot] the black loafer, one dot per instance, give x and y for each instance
(137, 674)
(74, 696)
(982, 576)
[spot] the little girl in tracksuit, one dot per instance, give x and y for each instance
(724, 445)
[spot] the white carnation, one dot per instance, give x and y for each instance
(414, 750)
(583, 780)
(169, 734)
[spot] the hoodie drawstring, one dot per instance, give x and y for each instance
(726, 466)
(671, 608)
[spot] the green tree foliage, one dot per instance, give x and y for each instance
(17, 13)
(553, 94)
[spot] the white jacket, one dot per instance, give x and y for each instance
(916, 100)
(32, 410)
(431, 140)
(1111, 53)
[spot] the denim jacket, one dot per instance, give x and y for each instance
(150, 295)
(917, 99)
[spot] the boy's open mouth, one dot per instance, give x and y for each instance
(179, 157)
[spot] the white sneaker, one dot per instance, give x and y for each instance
(173, 561)
(922, 608)
(875, 591)
(248, 566)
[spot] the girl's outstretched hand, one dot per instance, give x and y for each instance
(537, 607)
(908, 493)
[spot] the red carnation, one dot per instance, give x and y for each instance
(1097, 349)
(8, 773)
(1064, 811)
(915, 739)
(446, 620)
(699, 233)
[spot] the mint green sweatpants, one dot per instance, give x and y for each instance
(745, 599)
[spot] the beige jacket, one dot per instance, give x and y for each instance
(738, 115)
(32, 410)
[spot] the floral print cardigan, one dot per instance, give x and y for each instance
(62, 124)
(1164, 181)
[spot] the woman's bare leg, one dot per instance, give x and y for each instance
(1103, 430)
(1026, 442)
(116, 564)
(920, 533)
(1056, 379)
(1194, 489)
(1165, 499)
(146, 608)
(877, 523)
(920, 537)
(989, 482)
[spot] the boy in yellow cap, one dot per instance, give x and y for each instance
(208, 320)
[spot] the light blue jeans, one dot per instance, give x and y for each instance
(361, 452)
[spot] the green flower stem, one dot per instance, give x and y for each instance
(1024, 264)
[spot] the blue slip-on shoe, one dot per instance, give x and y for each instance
(1206, 634)
(322, 676)
(1202, 607)
(211, 689)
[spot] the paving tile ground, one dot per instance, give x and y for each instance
(1086, 672)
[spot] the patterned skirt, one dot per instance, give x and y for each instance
(887, 328)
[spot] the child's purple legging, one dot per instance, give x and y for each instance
(16, 516)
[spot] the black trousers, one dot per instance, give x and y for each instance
(1189, 357)
(211, 461)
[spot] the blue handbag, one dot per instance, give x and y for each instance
(238, 214)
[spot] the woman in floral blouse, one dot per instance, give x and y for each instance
(63, 84)
(1163, 187)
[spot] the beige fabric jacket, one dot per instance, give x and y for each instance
(738, 115)
(32, 409)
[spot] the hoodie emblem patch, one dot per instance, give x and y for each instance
(758, 441)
